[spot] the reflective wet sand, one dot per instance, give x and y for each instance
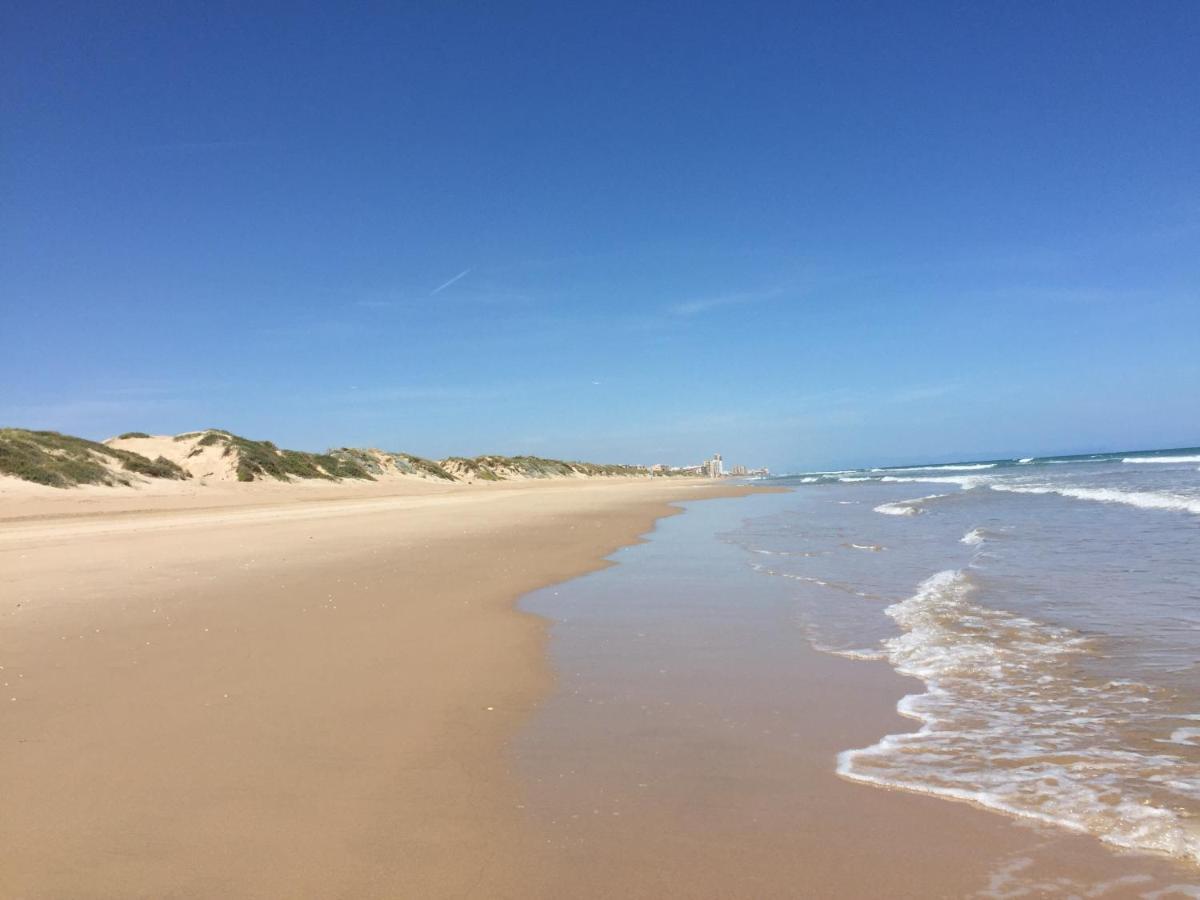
(689, 749)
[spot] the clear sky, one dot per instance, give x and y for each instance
(802, 235)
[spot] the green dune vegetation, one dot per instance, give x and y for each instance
(214, 454)
(60, 460)
(378, 463)
(262, 459)
(498, 468)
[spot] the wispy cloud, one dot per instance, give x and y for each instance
(470, 295)
(441, 287)
(706, 304)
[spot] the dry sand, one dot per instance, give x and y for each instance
(283, 691)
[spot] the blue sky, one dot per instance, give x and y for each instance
(802, 235)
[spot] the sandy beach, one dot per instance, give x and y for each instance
(284, 690)
(600, 452)
(331, 691)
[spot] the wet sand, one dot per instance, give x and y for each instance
(284, 693)
(689, 750)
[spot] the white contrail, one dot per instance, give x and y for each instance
(442, 287)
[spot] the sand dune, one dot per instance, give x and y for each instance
(215, 456)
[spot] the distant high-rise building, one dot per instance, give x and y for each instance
(715, 467)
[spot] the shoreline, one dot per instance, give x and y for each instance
(277, 696)
(691, 746)
(328, 693)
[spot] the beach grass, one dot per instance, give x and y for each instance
(497, 468)
(263, 459)
(60, 460)
(375, 462)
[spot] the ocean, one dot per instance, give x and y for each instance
(1049, 606)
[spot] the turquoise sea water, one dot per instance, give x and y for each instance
(1051, 607)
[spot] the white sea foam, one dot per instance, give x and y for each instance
(1173, 892)
(955, 468)
(973, 537)
(1140, 499)
(1188, 737)
(1161, 459)
(1025, 460)
(907, 507)
(863, 653)
(1017, 877)
(903, 508)
(875, 547)
(966, 482)
(897, 509)
(1008, 724)
(855, 654)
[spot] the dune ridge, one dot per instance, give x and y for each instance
(214, 455)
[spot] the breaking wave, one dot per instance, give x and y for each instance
(972, 538)
(1161, 459)
(906, 507)
(966, 482)
(965, 467)
(1140, 499)
(1008, 724)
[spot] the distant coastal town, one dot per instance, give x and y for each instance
(710, 468)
